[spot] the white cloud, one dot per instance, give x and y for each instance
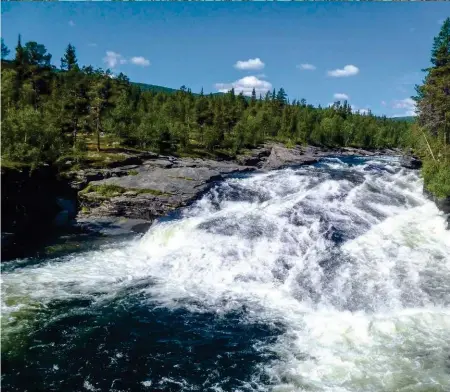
(348, 70)
(408, 104)
(113, 58)
(250, 64)
(306, 67)
(71, 23)
(383, 103)
(139, 60)
(360, 110)
(246, 85)
(92, 44)
(340, 96)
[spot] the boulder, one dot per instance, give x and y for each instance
(410, 162)
(281, 156)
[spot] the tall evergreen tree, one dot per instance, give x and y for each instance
(253, 99)
(69, 60)
(5, 50)
(433, 96)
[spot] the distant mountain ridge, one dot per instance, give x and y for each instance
(161, 89)
(410, 119)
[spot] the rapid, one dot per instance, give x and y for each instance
(327, 277)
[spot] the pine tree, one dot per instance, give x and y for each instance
(5, 50)
(19, 67)
(69, 60)
(433, 98)
(100, 99)
(281, 96)
(253, 99)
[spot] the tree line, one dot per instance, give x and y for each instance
(431, 137)
(47, 113)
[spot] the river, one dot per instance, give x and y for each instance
(330, 277)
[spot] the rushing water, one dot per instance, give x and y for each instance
(332, 277)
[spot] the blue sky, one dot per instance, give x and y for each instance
(370, 52)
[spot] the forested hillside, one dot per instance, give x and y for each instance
(431, 137)
(48, 116)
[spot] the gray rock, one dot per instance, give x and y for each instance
(410, 162)
(257, 157)
(157, 188)
(281, 156)
(161, 184)
(111, 226)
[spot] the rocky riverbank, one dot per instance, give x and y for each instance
(164, 183)
(131, 196)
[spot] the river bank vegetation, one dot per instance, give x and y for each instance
(85, 116)
(430, 137)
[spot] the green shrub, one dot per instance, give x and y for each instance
(436, 176)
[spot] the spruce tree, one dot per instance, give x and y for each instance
(433, 96)
(69, 60)
(5, 50)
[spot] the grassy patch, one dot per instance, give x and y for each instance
(13, 165)
(133, 173)
(110, 190)
(182, 178)
(289, 144)
(106, 190)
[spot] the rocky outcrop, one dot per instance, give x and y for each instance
(164, 183)
(154, 188)
(410, 162)
(281, 156)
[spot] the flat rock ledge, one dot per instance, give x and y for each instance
(161, 184)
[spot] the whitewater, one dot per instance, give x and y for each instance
(327, 277)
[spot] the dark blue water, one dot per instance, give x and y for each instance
(123, 344)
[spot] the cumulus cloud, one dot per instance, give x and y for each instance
(360, 110)
(250, 64)
(408, 104)
(246, 85)
(306, 67)
(71, 23)
(139, 60)
(112, 59)
(348, 70)
(340, 96)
